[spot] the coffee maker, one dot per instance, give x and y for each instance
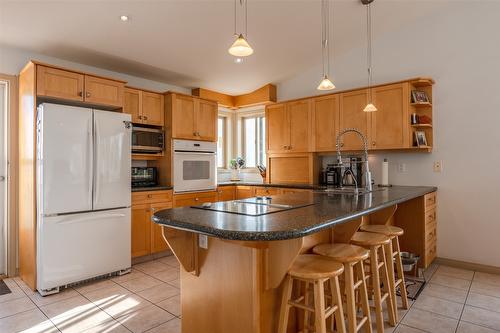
(349, 173)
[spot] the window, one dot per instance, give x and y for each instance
(221, 142)
(253, 140)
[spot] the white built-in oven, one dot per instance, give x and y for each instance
(195, 165)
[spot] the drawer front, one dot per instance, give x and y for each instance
(430, 234)
(430, 254)
(193, 199)
(430, 218)
(262, 191)
(151, 197)
(430, 200)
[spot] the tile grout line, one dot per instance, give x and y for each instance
(465, 303)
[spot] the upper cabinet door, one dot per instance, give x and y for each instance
(325, 122)
(277, 128)
(299, 117)
(103, 91)
(206, 120)
(183, 117)
(132, 104)
(152, 108)
(353, 116)
(390, 124)
(52, 82)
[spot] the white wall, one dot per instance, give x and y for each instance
(13, 60)
(460, 49)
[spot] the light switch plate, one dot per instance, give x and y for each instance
(402, 167)
(203, 241)
(438, 166)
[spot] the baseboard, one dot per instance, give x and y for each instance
(468, 265)
(140, 260)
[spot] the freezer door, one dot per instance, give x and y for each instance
(64, 152)
(112, 160)
(77, 247)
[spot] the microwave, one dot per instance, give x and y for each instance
(147, 140)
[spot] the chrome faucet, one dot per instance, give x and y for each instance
(367, 174)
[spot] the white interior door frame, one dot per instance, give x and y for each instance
(4, 176)
(10, 140)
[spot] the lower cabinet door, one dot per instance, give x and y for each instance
(158, 244)
(141, 230)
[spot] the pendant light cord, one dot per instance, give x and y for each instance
(246, 20)
(369, 49)
(243, 3)
(325, 47)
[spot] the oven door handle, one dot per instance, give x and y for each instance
(185, 152)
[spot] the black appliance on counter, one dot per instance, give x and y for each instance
(144, 177)
(347, 174)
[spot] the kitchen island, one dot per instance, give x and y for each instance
(233, 264)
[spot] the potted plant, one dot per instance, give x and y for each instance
(236, 164)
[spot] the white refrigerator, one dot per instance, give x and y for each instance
(83, 195)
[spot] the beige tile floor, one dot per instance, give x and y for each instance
(148, 300)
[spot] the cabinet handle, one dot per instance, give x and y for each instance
(80, 94)
(374, 143)
(150, 196)
(289, 147)
(145, 118)
(194, 133)
(196, 199)
(341, 144)
(87, 94)
(140, 117)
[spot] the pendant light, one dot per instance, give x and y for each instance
(326, 83)
(369, 107)
(240, 47)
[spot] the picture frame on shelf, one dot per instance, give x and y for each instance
(421, 139)
(419, 97)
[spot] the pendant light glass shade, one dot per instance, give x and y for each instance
(370, 108)
(326, 84)
(240, 47)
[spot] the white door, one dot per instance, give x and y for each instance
(3, 177)
(65, 159)
(76, 247)
(112, 160)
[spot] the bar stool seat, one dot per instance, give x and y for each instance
(365, 239)
(310, 266)
(388, 230)
(345, 253)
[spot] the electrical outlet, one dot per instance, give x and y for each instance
(438, 166)
(402, 167)
(203, 241)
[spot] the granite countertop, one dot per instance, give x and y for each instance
(151, 188)
(327, 209)
(299, 186)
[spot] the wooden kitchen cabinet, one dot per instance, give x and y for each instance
(57, 83)
(191, 117)
(352, 116)
(145, 107)
(146, 235)
(277, 132)
(194, 199)
(390, 126)
(325, 115)
(292, 168)
(226, 193)
(288, 127)
(158, 244)
(206, 115)
(141, 230)
(64, 84)
(103, 91)
(245, 192)
(266, 190)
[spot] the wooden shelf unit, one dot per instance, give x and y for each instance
(423, 109)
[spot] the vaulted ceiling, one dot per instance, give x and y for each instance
(185, 42)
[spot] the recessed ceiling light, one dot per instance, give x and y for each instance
(124, 18)
(238, 60)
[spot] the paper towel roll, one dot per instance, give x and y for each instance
(385, 172)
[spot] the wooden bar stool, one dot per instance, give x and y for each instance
(378, 268)
(392, 252)
(354, 281)
(315, 270)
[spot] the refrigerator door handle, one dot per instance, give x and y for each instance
(90, 218)
(96, 156)
(91, 159)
